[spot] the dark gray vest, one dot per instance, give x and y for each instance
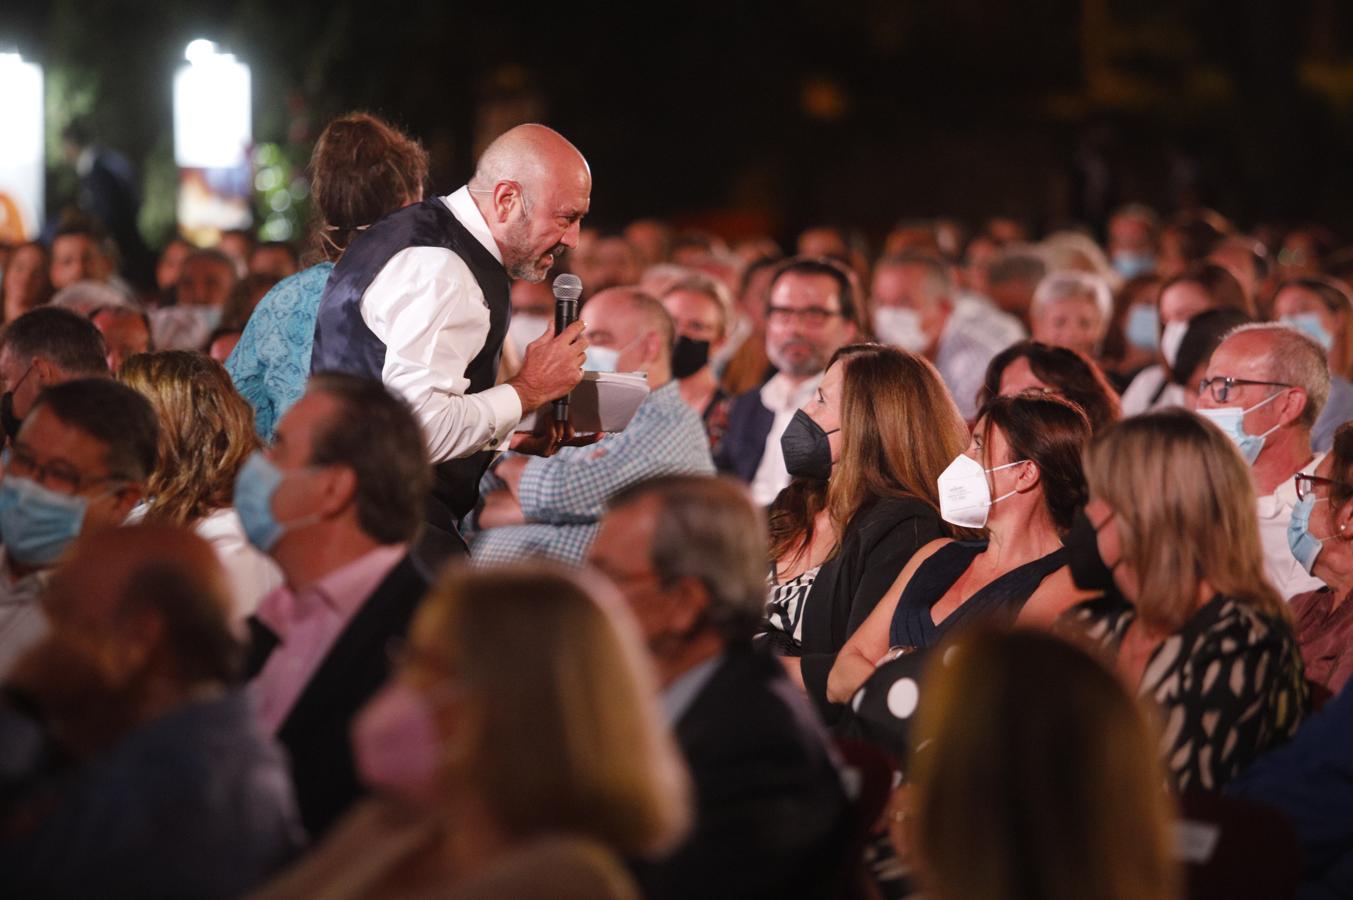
(343, 343)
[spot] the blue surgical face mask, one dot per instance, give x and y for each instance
(1143, 327)
(1231, 420)
(1130, 265)
(1310, 325)
(38, 524)
(255, 486)
(600, 359)
(1305, 546)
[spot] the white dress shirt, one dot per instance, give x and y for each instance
(782, 397)
(1149, 391)
(428, 310)
(252, 573)
(1275, 512)
(22, 623)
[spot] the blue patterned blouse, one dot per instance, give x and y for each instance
(271, 363)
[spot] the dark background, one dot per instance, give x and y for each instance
(752, 116)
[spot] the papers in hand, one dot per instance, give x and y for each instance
(602, 401)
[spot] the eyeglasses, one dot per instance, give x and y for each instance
(812, 316)
(1307, 484)
(58, 475)
(1222, 385)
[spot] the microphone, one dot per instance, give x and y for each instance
(567, 290)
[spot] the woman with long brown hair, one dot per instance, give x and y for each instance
(206, 434)
(1020, 480)
(362, 168)
(865, 453)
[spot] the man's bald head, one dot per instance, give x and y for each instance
(533, 188)
(632, 322)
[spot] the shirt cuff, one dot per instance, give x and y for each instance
(505, 403)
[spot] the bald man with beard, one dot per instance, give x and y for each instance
(421, 302)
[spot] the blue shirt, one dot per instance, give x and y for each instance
(564, 496)
(271, 363)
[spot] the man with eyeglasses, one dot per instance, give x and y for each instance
(812, 312)
(79, 464)
(1264, 387)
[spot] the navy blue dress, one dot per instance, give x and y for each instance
(913, 625)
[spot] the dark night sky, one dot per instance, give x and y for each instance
(698, 109)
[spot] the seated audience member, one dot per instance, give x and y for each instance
(1310, 780)
(700, 308)
(1200, 288)
(1246, 259)
(1072, 310)
(1133, 338)
(1020, 721)
(1170, 529)
(744, 363)
(126, 332)
(604, 261)
(812, 311)
(1265, 387)
(1320, 537)
(87, 297)
(1134, 237)
(915, 308)
(1020, 480)
(361, 169)
(27, 281)
(1322, 309)
(532, 315)
(865, 455)
(335, 502)
(1205, 333)
(206, 282)
(171, 790)
(550, 506)
(79, 464)
(651, 240)
(1056, 370)
(169, 267)
(275, 260)
(206, 435)
(240, 306)
(79, 253)
(237, 245)
(771, 816)
(1188, 240)
(41, 348)
(1011, 277)
(517, 752)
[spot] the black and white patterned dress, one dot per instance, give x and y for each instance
(1228, 686)
(784, 610)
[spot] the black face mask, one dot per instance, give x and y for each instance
(689, 356)
(1082, 555)
(8, 421)
(808, 453)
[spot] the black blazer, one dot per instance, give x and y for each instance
(771, 817)
(315, 732)
(744, 441)
(878, 543)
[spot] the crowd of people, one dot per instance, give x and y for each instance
(985, 565)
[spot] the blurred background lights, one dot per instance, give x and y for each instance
(21, 148)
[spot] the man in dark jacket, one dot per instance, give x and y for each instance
(771, 816)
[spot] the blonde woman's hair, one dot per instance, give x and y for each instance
(206, 432)
(1185, 510)
(1036, 777)
(568, 736)
(900, 429)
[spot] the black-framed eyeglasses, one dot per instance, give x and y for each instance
(58, 475)
(1221, 386)
(813, 316)
(1307, 484)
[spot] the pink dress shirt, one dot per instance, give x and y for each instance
(307, 624)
